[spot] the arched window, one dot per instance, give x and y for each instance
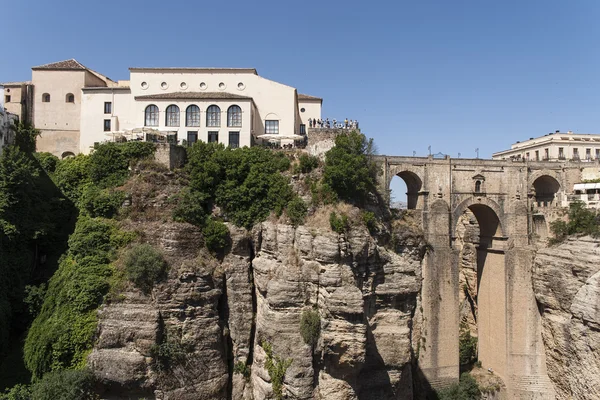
(151, 116)
(477, 186)
(172, 116)
(70, 98)
(234, 116)
(46, 98)
(192, 116)
(213, 116)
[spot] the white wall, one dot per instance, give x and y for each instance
(312, 110)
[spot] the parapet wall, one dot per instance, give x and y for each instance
(321, 140)
(170, 155)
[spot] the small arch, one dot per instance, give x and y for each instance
(46, 98)
(477, 186)
(545, 189)
(172, 115)
(67, 154)
(70, 98)
(151, 115)
(413, 186)
(213, 116)
(234, 116)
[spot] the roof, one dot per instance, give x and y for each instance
(94, 88)
(307, 97)
(71, 64)
(192, 96)
(15, 83)
(193, 69)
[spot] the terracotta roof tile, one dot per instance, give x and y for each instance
(192, 96)
(307, 97)
(71, 64)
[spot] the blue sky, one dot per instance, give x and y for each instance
(456, 75)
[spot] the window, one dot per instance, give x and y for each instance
(302, 129)
(70, 98)
(192, 137)
(172, 116)
(597, 154)
(213, 137)
(45, 98)
(575, 154)
(234, 140)
(172, 138)
(151, 116)
(107, 107)
(527, 155)
(272, 126)
(213, 116)
(234, 116)
(107, 125)
(7, 99)
(588, 154)
(477, 186)
(537, 155)
(192, 116)
(546, 154)
(561, 153)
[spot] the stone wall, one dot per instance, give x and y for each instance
(321, 140)
(170, 155)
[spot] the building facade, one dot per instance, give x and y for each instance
(75, 107)
(557, 146)
(7, 121)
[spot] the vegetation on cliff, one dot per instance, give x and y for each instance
(581, 220)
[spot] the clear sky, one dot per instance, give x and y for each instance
(453, 74)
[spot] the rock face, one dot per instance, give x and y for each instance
(566, 282)
(226, 314)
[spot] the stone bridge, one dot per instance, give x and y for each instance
(513, 203)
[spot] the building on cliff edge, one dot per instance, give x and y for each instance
(7, 121)
(75, 107)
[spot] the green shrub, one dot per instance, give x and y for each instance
(167, 354)
(306, 164)
(97, 202)
(581, 221)
(370, 221)
(17, 392)
(216, 236)
(246, 183)
(296, 211)
(240, 368)
(349, 169)
(144, 266)
(310, 327)
(34, 298)
(276, 367)
(25, 137)
(338, 224)
(65, 385)
(467, 345)
(191, 207)
(322, 194)
(466, 389)
(71, 175)
(48, 161)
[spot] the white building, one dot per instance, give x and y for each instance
(557, 146)
(7, 120)
(76, 107)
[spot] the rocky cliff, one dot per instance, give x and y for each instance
(235, 315)
(566, 281)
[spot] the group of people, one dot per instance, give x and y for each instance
(320, 123)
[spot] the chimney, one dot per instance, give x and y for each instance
(570, 132)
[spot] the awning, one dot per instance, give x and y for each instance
(275, 136)
(585, 186)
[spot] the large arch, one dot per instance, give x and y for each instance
(414, 184)
(491, 282)
(545, 189)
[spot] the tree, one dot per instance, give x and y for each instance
(349, 168)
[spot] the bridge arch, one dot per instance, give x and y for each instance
(489, 214)
(544, 188)
(413, 181)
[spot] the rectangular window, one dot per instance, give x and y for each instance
(588, 154)
(234, 140)
(597, 154)
(575, 154)
(192, 137)
(546, 154)
(213, 137)
(172, 138)
(272, 127)
(302, 129)
(527, 155)
(7, 99)
(107, 107)
(537, 155)
(107, 125)
(561, 153)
